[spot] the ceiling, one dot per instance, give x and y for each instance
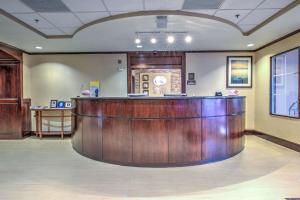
(76, 22)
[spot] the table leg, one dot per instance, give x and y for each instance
(41, 124)
(36, 123)
(62, 123)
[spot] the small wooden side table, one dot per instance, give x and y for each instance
(39, 119)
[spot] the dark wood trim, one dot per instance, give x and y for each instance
(274, 139)
(152, 55)
(270, 91)
(227, 71)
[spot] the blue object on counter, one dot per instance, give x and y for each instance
(61, 104)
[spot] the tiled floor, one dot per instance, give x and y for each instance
(45, 169)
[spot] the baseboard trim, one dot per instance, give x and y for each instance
(274, 139)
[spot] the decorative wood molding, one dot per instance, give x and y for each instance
(12, 51)
(274, 139)
(155, 60)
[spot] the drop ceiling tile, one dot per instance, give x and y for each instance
(87, 17)
(62, 19)
(240, 4)
(247, 27)
(124, 5)
(204, 11)
(275, 3)
(258, 16)
(231, 14)
(14, 6)
(29, 18)
(85, 6)
(51, 31)
(163, 4)
(68, 30)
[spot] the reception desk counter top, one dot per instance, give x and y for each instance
(159, 98)
(159, 131)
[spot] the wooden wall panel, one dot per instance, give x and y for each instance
(117, 141)
(213, 107)
(9, 80)
(150, 142)
(92, 137)
(235, 134)
(26, 117)
(184, 140)
(10, 121)
(235, 106)
(159, 132)
(77, 133)
(214, 136)
(14, 111)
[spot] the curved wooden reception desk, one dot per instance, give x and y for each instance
(171, 131)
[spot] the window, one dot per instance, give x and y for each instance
(285, 84)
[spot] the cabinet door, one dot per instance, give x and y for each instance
(10, 121)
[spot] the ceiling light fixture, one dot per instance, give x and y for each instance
(188, 39)
(139, 46)
(153, 40)
(250, 45)
(137, 41)
(170, 39)
(39, 47)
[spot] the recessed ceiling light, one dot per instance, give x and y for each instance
(39, 47)
(139, 46)
(188, 39)
(153, 40)
(137, 41)
(250, 45)
(171, 39)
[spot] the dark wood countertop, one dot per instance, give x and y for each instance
(158, 98)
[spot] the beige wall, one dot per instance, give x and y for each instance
(60, 77)
(286, 128)
(210, 72)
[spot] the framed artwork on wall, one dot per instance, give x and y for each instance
(239, 72)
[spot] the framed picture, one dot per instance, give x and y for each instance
(191, 76)
(68, 104)
(145, 85)
(145, 77)
(239, 72)
(60, 104)
(53, 103)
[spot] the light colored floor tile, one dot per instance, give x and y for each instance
(50, 169)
